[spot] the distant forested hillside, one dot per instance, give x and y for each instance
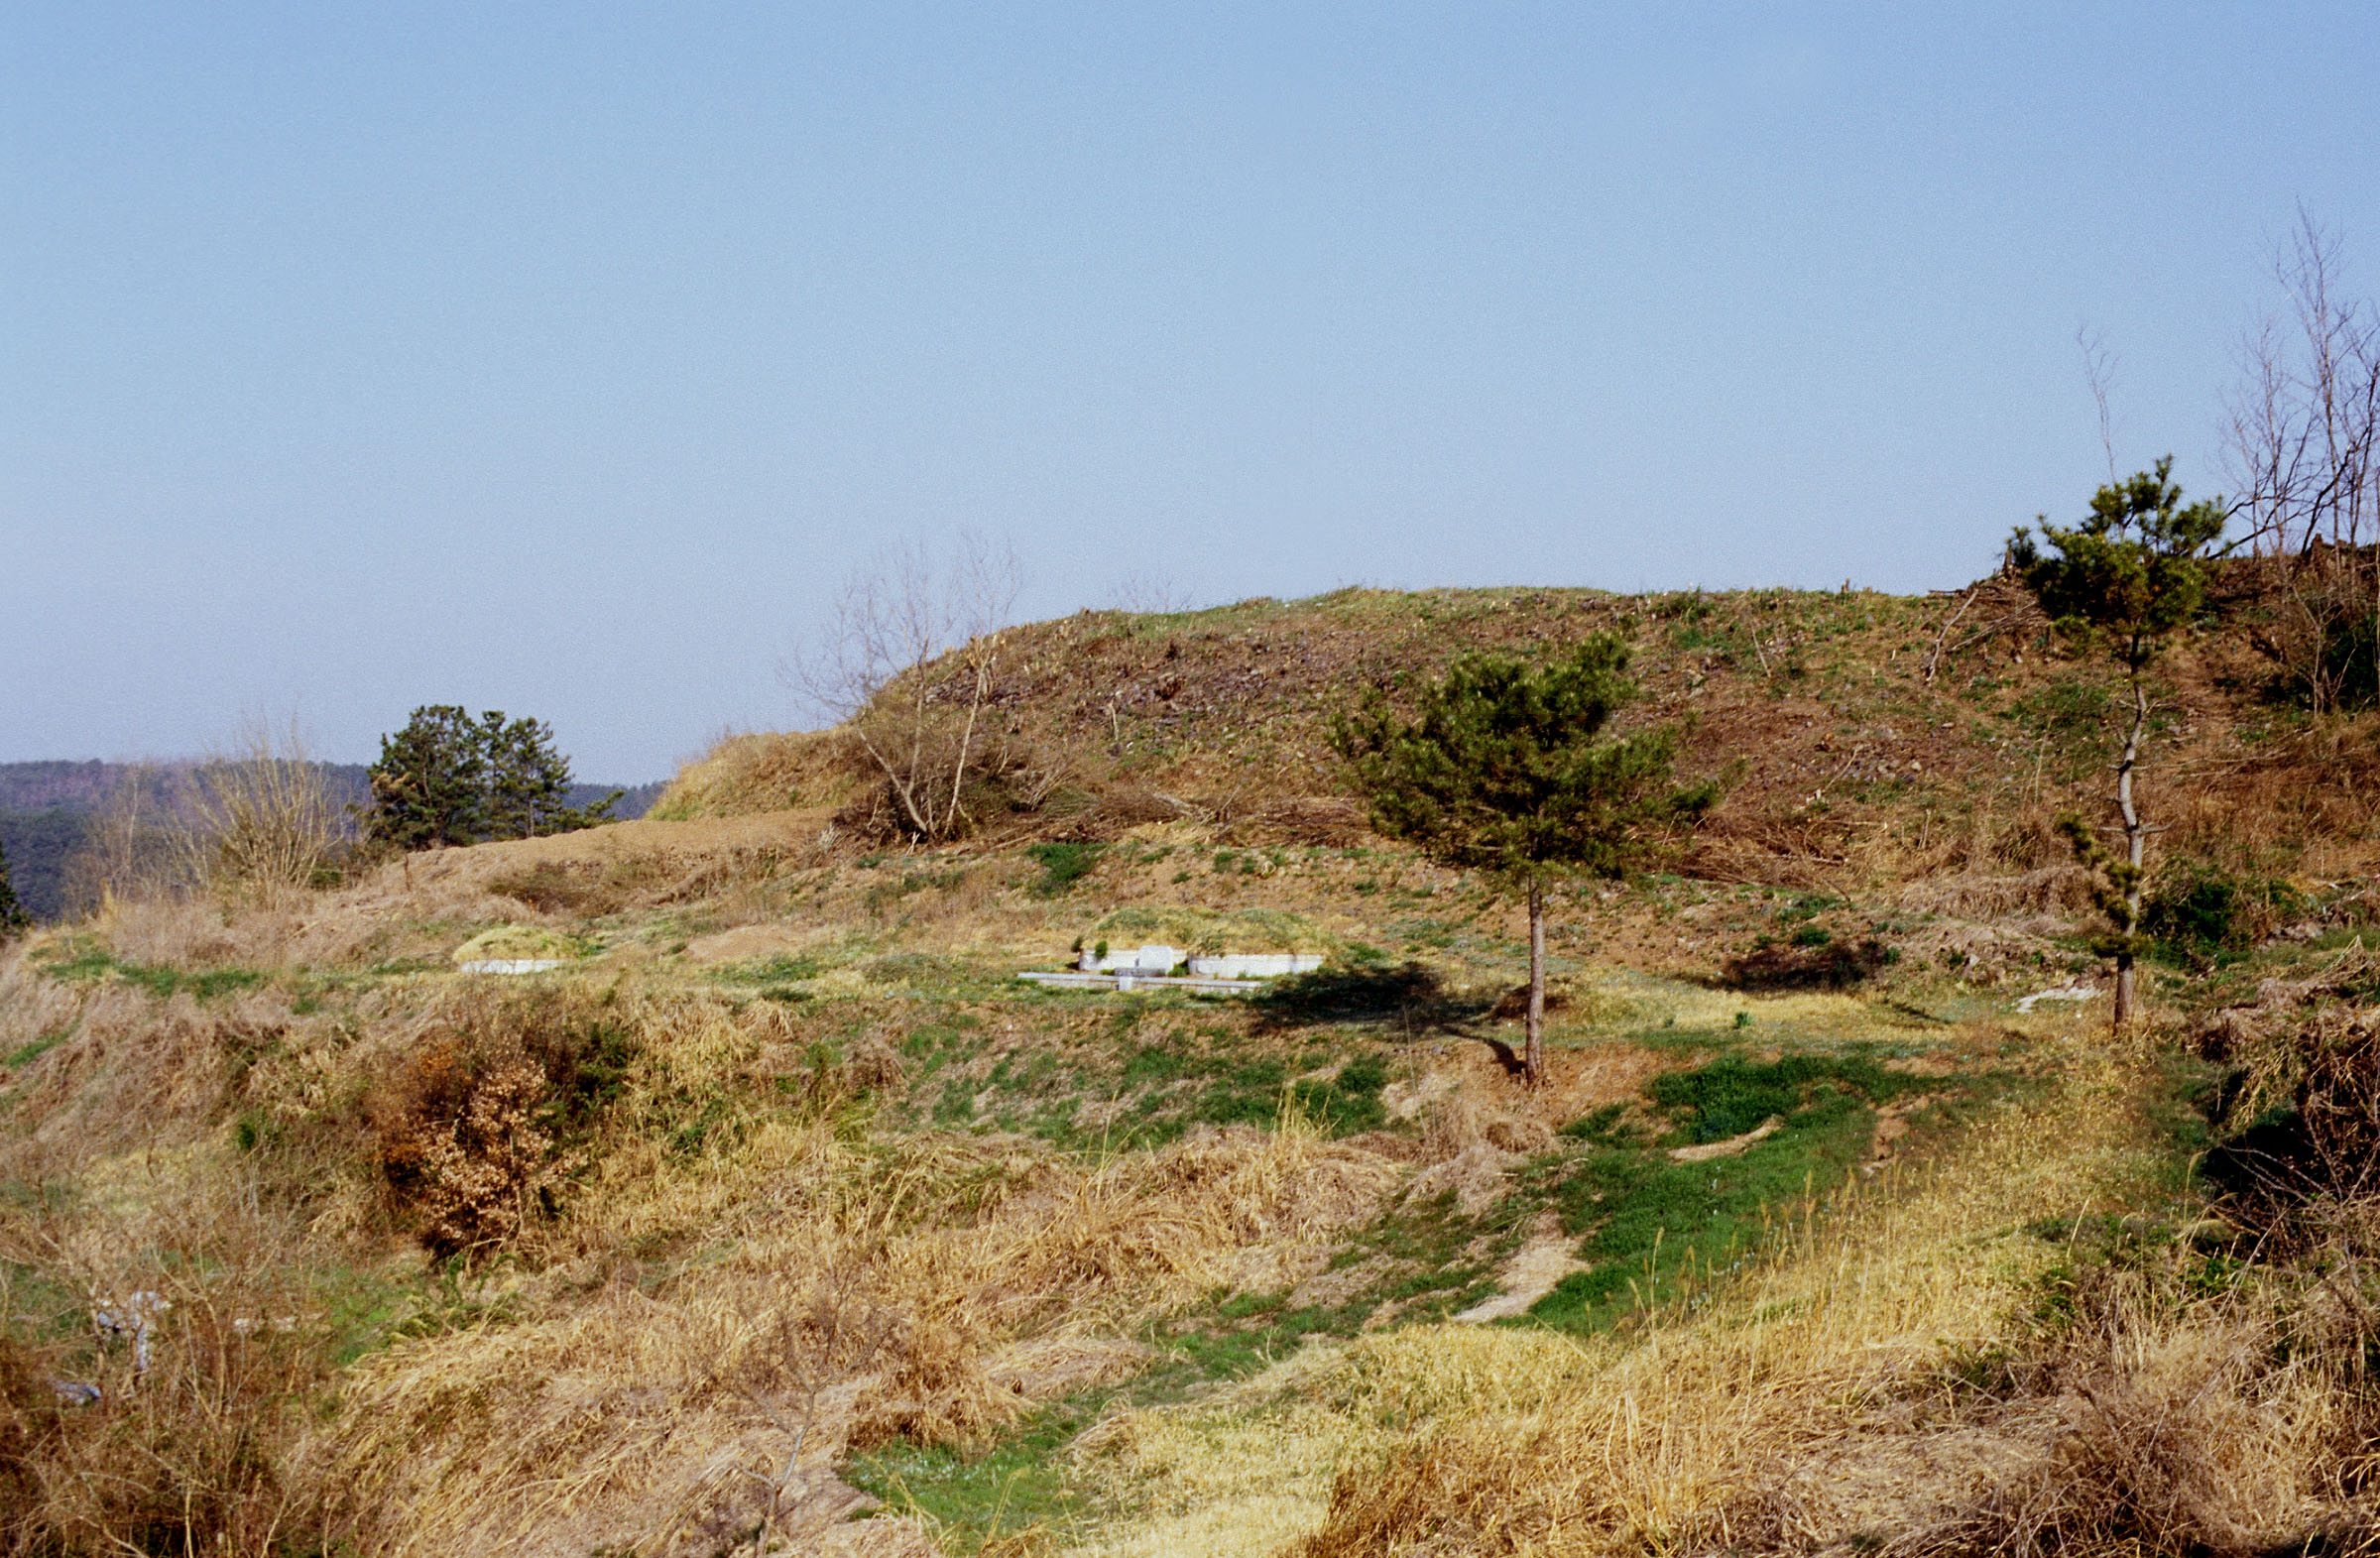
(46, 810)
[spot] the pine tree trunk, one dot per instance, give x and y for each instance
(1533, 1066)
(2136, 838)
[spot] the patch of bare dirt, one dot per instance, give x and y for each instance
(1733, 1147)
(1535, 1269)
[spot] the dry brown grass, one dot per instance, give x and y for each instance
(390, 915)
(664, 1273)
(190, 1447)
(1008, 1275)
(2161, 1427)
(133, 1070)
(757, 772)
(662, 1294)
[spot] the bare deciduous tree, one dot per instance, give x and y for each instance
(2098, 367)
(2302, 422)
(906, 663)
(2302, 432)
(1150, 593)
(128, 848)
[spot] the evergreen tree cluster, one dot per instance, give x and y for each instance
(448, 778)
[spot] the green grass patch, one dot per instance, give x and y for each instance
(778, 970)
(1155, 1070)
(1426, 1260)
(92, 966)
(977, 1496)
(1239, 1340)
(928, 975)
(772, 979)
(1062, 866)
(1181, 1088)
(1653, 1227)
(1730, 1096)
(27, 1054)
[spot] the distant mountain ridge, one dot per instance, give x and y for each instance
(46, 810)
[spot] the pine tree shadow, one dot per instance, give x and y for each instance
(1832, 965)
(1407, 997)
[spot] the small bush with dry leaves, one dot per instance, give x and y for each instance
(465, 1149)
(474, 1130)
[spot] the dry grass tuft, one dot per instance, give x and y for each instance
(757, 772)
(2159, 1430)
(998, 1274)
(132, 1069)
(2055, 893)
(1826, 1403)
(178, 1440)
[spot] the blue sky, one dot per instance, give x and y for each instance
(561, 358)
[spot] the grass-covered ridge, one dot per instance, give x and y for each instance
(782, 1189)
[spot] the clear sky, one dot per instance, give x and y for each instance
(560, 357)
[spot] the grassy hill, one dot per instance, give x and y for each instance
(1840, 1226)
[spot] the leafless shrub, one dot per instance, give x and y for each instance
(1150, 593)
(1317, 820)
(2056, 891)
(28, 1420)
(259, 816)
(875, 1064)
(906, 663)
(253, 819)
(128, 849)
(802, 1364)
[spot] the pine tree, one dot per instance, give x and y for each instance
(1509, 771)
(448, 778)
(529, 781)
(430, 785)
(2122, 581)
(12, 917)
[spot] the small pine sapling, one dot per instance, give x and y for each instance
(2122, 581)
